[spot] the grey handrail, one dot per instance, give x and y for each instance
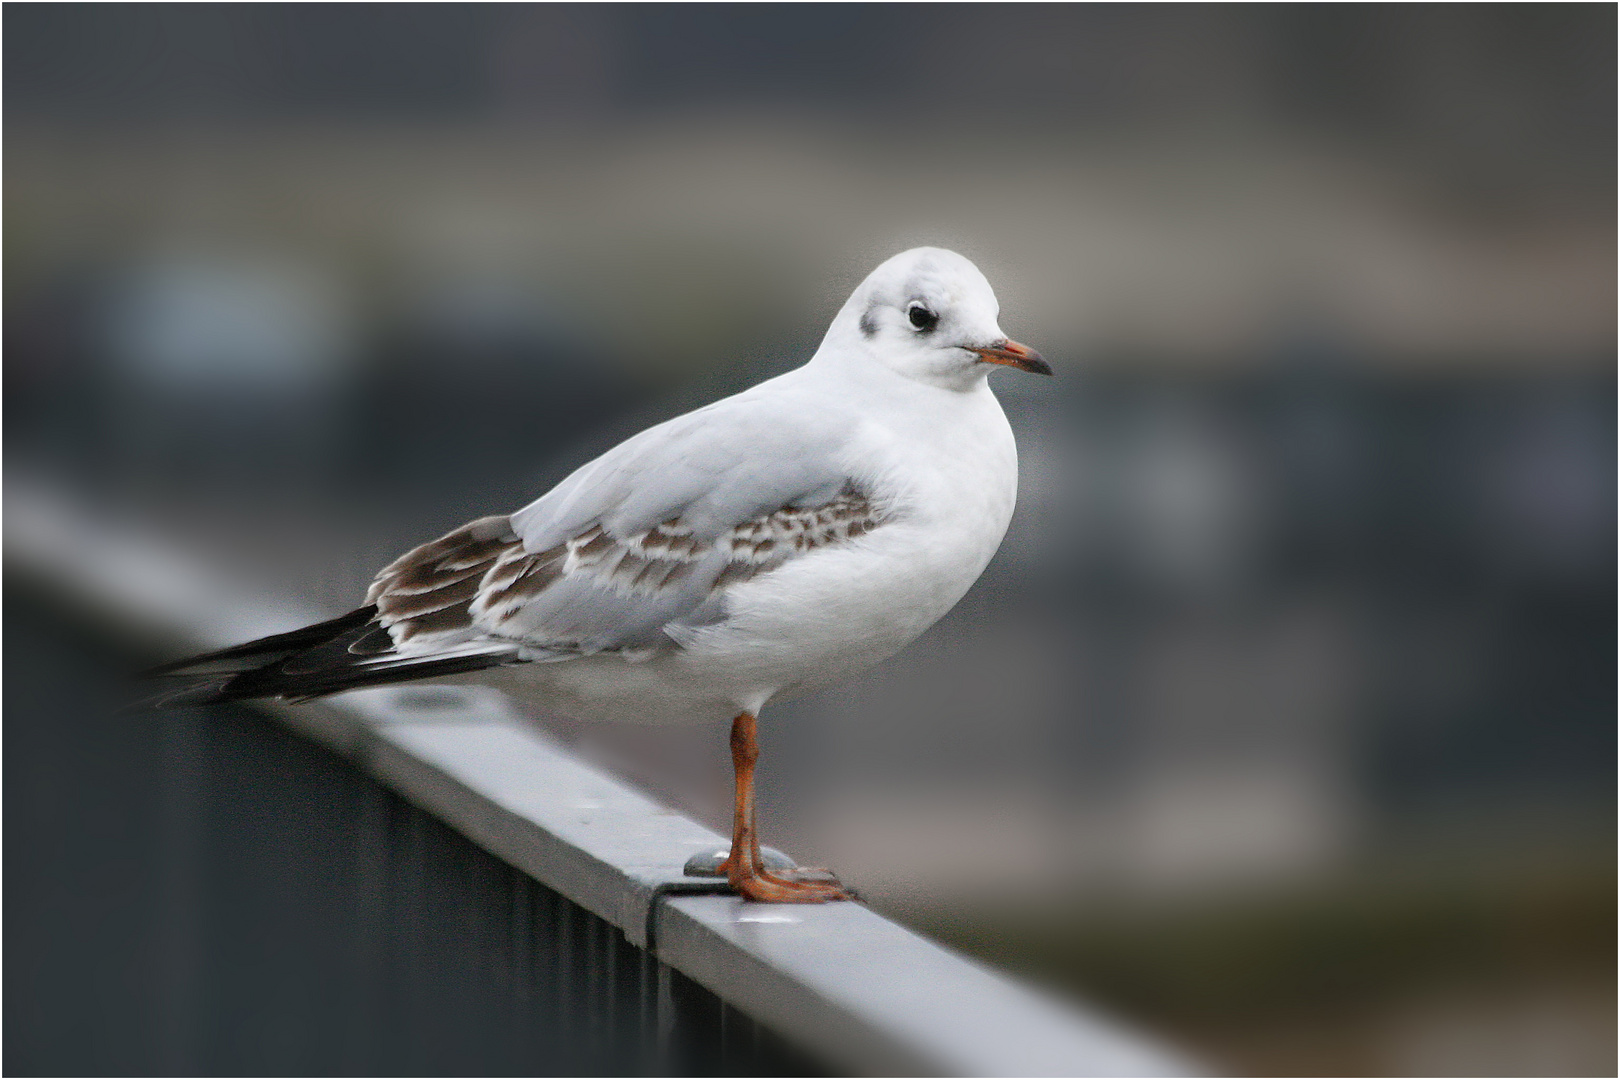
(848, 985)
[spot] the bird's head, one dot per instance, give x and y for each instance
(929, 314)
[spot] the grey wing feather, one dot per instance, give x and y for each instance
(715, 468)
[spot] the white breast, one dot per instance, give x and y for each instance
(951, 485)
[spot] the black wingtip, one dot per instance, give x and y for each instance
(304, 637)
(301, 665)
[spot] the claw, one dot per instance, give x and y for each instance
(770, 889)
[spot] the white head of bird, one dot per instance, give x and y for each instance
(929, 315)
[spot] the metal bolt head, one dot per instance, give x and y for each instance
(707, 863)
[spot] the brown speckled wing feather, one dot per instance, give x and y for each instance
(429, 588)
(595, 592)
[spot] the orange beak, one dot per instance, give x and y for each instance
(1012, 354)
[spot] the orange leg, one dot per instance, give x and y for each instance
(747, 874)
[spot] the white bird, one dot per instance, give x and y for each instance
(767, 544)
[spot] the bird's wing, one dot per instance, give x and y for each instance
(647, 537)
(625, 555)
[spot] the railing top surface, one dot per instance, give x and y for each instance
(850, 985)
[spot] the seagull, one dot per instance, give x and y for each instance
(771, 543)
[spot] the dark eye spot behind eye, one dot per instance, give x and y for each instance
(869, 323)
(921, 316)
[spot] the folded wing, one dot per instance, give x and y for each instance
(621, 557)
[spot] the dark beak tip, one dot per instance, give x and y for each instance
(1012, 354)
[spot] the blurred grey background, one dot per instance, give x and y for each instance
(1284, 720)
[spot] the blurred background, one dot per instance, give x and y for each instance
(1284, 721)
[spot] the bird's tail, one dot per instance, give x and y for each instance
(310, 662)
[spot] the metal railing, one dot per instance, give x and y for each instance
(276, 911)
(521, 911)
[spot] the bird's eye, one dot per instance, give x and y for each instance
(921, 316)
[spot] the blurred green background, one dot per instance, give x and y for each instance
(1283, 723)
